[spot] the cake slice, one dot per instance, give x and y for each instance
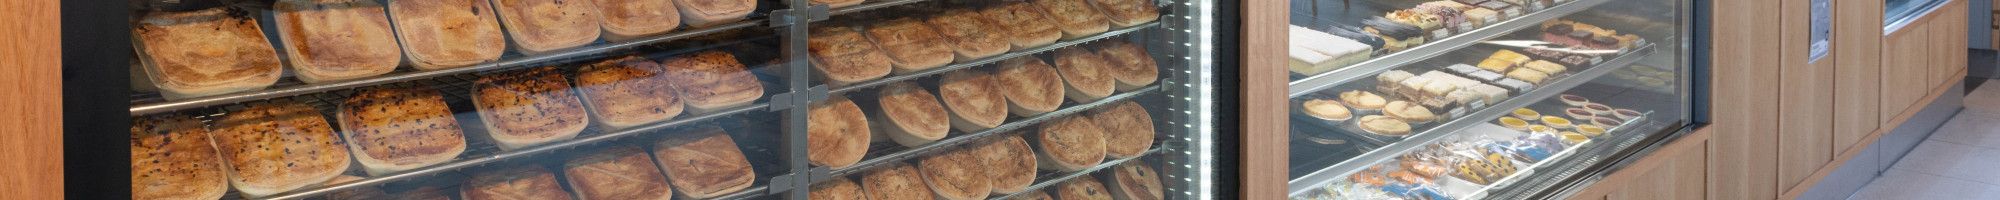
(1333, 52)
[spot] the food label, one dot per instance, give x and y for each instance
(1596, 59)
(1440, 34)
(1456, 112)
(1512, 13)
(1479, 104)
(1465, 26)
(1491, 20)
(1538, 6)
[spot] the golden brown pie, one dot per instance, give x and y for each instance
(395, 129)
(974, 99)
(518, 182)
(704, 164)
(618, 173)
(1082, 189)
(1087, 74)
(442, 34)
(705, 13)
(627, 91)
(1010, 163)
(330, 40)
(911, 115)
(971, 35)
(205, 52)
(1127, 13)
(900, 181)
(1070, 144)
(1135, 181)
(172, 159)
(279, 146)
(1128, 129)
(843, 56)
(541, 26)
(837, 133)
(1032, 87)
(1130, 64)
(1076, 18)
(628, 19)
(713, 80)
(530, 107)
(840, 188)
(911, 45)
(1026, 25)
(956, 175)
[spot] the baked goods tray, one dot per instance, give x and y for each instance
(1443, 130)
(1549, 174)
(1044, 180)
(878, 157)
(146, 108)
(1434, 48)
(988, 60)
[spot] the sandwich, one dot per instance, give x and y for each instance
(391, 130)
(704, 164)
(1069, 144)
(1087, 74)
(974, 100)
(705, 13)
(1130, 64)
(517, 182)
(1128, 129)
(971, 35)
(627, 91)
(279, 146)
(899, 181)
(331, 40)
(1082, 189)
(443, 34)
(843, 56)
(910, 115)
(840, 188)
(911, 45)
(712, 80)
(542, 26)
(1010, 163)
(630, 19)
(837, 133)
(1135, 181)
(172, 159)
(1076, 18)
(530, 107)
(956, 175)
(624, 172)
(1032, 87)
(1128, 13)
(205, 52)
(1025, 25)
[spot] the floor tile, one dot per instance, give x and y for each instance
(1905, 184)
(1953, 160)
(1986, 98)
(1971, 127)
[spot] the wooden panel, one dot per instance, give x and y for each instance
(1264, 101)
(1745, 66)
(1857, 46)
(1904, 68)
(1680, 179)
(1868, 139)
(31, 100)
(1805, 114)
(1947, 42)
(1675, 170)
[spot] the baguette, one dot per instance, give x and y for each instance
(843, 56)
(956, 175)
(1128, 13)
(173, 159)
(1031, 86)
(1069, 144)
(704, 164)
(911, 45)
(1128, 129)
(1087, 74)
(974, 100)
(527, 108)
(837, 133)
(631, 19)
(444, 34)
(1010, 163)
(205, 52)
(1025, 25)
(899, 181)
(392, 130)
(331, 40)
(617, 173)
(971, 35)
(705, 13)
(1130, 64)
(627, 91)
(712, 80)
(910, 115)
(274, 147)
(1076, 18)
(518, 182)
(542, 26)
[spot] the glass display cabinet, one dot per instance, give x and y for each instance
(684, 99)
(1479, 99)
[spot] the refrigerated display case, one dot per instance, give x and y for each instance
(1480, 99)
(658, 99)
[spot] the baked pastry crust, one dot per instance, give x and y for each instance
(704, 164)
(1026, 26)
(1032, 87)
(911, 115)
(519, 182)
(705, 13)
(911, 45)
(628, 19)
(330, 40)
(1128, 129)
(837, 4)
(1010, 163)
(956, 175)
(843, 56)
(275, 147)
(1082, 189)
(837, 133)
(362, 193)
(541, 26)
(172, 159)
(1035, 195)
(391, 130)
(1135, 181)
(1076, 18)
(442, 34)
(617, 173)
(897, 182)
(528, 107)
(840, 188)
(1069, 144)
(1127, 13)
(1130, 64)
(974, 100)
(627, 91)
(205, 52)
(713, 80)
(1087, 74)
(971, 35)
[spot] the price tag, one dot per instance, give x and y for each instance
(1512, 13)
(1596, 59)
(1478, 104)
(1465, 26)
(1491, 20)
(1440, 34)
(1538, 5)
(1456, 112)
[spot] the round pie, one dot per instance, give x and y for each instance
(1070, 144)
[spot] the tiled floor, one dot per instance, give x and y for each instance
(1960, 161)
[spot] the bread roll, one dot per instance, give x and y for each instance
(1069, 144)
(205, 52)
(1076, 18)
(1010, 163)
(896, 182)
(541, 26)
(956, 175)
(330, 40)
(629, 19)
(527, 108)
(713, 80)
(974, 99)
(1128, 13)
(705, 13)
(518, 182)
(618, 173)
(837, 133)
(172, 159)
(278, 146)
(1087, 74)
(1130, 64)
(392, 130)
(1032, 87)
(911, 45)
(840, 188)
(971, 35)
(704, 164)
(1082, 189)
(910, 115)
(1025, 25)
(843, 56)
(443, 34)
(627, 91)
(1128, 129)
(1135, 181)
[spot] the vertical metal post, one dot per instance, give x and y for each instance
(798, 82)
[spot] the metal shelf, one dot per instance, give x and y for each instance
(504, 64)
(1434, 48)
(527, 152)
(1417, 141)
(964, 138)
(989, 60)
(870, 5)
(1066, 176)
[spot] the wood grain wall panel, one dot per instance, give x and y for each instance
(1947, 42)
(1674, 171)
(1857, 47)
(30, 100)
(1905, 68)
(1264, 101)
(1745, 66)
(1805, 114)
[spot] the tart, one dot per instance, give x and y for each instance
(1605, 122)
(1573, 138)
(911, 45)
(840, 188)
(1026, 25)
(1380, 125)
(1128, 129)
(631, 19)
(1590, 130)
(391, 130)
(1032, 87)
(1087, 74)
(1130, 64)
(703, 164)
(1514, 123)
(336, 40)
(1409, 112)
(910, 115)
(1579, 113)
(974, 99)
(898, 181)
(837, 133)
(205, 52)
(1627, 114)
(1135, 181)
(527, 108)
(1538, 128)
(627, 91)
(1557, 122)
(1526, 114)
(1076, 18)
(1082, 189)
(1010, 163)
(1574, 100)
(1599, 109)
(542, 26)
(618, 173)
(956, 175)
(274, 147)
(843, 56)
(172, 159)
(519, 182)
(712, 80)
(1326, 109)
(971, 35)
(1363, 100)
(705, 13)
(1069, 144)
(1128, 13)
(442, 34)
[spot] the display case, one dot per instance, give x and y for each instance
(681, 99)
(1480, 99)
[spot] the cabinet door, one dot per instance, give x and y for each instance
(1904, 69)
